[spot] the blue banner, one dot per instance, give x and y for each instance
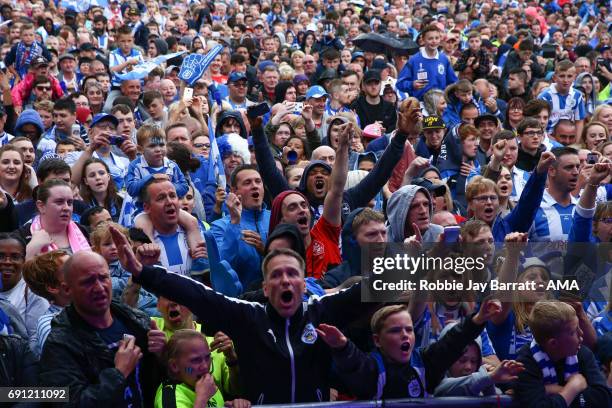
(194, 65)
(83, 5)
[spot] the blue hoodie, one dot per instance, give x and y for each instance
(243, 258)
(30, 116)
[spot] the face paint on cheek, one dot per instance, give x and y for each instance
(188, 370)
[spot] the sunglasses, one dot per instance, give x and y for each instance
(43, 88)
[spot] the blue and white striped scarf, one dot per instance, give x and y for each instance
(549, 374)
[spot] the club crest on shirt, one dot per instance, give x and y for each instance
(317, 248)
(309, 336)
(441, 69)
(414, 388)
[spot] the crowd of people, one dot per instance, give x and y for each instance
(165, 244)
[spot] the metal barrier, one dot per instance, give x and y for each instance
(442, 402)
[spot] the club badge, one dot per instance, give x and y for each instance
(309, 336)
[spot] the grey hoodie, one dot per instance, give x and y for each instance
(397, 210)
(477, 384)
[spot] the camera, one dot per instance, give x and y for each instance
(116, 140)
(592, 158)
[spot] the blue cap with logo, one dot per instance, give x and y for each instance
(100, 117)
(316, 91)
(236, 76)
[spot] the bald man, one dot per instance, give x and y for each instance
(99, 348)
(324, 153)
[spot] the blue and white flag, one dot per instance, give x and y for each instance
(142, 70)
(194, 65)
(216, 171)
(83, 5)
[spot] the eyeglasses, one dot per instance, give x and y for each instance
(239, 84)
(516, 109)
(204, 146)
(532, 133)
(484, 199)
(309, 62)
(106, 126)
(607, 220)
(43, 88)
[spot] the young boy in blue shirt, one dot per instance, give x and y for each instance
(153, 163)
(427, 69)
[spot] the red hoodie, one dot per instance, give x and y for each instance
(21, 92)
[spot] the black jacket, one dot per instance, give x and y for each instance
(75, 356)
(530, 392)
(355, 197)
(18, 367)
(527, 162)
(360, 372)
(368, 114)
(281, 359)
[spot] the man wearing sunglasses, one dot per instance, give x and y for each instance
(40, 92)
(237, 85)
(22, 93)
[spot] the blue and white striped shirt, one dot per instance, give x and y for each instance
(552, 221)
(43, 328)
(175, 253)
(116, 57)
(570, 106)
(519, 180)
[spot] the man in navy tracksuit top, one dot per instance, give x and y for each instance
(427, 69)
(276, 342)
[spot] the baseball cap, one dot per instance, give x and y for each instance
(39, 61)
(433, 122)
(67, 56)
(357, 54)
(87, 47)
(316, 92)
(371, 75)
(379, 63)
(372, 131)
(236, 76)
(100, 117)
(436, 190)
(258, 23)
(133, 11)
(264, 64)
(486, 116)
(603, 48)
